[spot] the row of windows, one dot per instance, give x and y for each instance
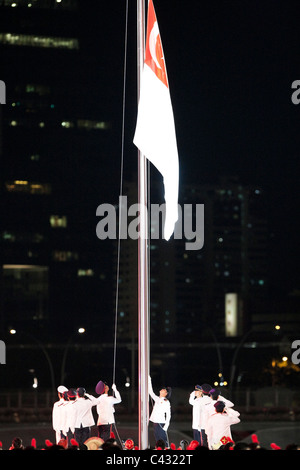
(56, 221)
(47, 4)
(38, 89)
(86, 124)
(24, 237)
(31, 40)
(37, 273)
(23, 186)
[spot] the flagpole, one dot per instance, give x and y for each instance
(143, 300)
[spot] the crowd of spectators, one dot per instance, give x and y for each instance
(112, 445)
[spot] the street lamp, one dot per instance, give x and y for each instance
(13, 331)
(35, 380)
(219, 354)
(80, 331)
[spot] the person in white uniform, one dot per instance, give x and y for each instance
(194, 400)
(205, 400)
(84, 418)
(161, 413)
(106, 410)
(57, 413)
(208, 410)
(69, 415)
(219, 425)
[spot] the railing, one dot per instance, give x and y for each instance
(20, 400)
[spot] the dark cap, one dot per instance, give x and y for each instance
(81, 391)
(206, 388)
(71, 394)
(219, 406)
(214, 393)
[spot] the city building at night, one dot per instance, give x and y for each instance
(188, 287)
(54, 137)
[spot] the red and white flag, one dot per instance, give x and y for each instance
(155, 133)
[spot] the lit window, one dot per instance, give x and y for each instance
(23, 186)
(35, 158)
(67, 124)
(57, 221)
(8, 237)
(47, 4)
(37, 188)
(38, 89)
(63, 256)
(88, 124)
(85, 273)
(38, 41)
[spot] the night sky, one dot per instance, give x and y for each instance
(231, 66)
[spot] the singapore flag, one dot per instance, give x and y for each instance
(155, 130)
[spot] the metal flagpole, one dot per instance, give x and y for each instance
(143, 301)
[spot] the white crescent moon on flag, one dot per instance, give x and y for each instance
(152, 43)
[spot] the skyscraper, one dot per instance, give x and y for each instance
(188, 287)
(54, 138)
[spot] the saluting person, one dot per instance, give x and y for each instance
(84, 419)
(194, 400)
(219, 425)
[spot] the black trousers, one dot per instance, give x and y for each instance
(160, 434)
(82, 434)
(197, 436)
(203, 442)
(104, 431)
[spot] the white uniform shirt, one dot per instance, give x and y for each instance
(195, 402)
(219, 425)
(57, 415)
(84, 416)
(210, 408)
(204, 402)
(161, 412)
(105, 408)
(69, 416)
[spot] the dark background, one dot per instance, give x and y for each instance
(230, 67)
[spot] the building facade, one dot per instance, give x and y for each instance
(54, 144)
(188, 287)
